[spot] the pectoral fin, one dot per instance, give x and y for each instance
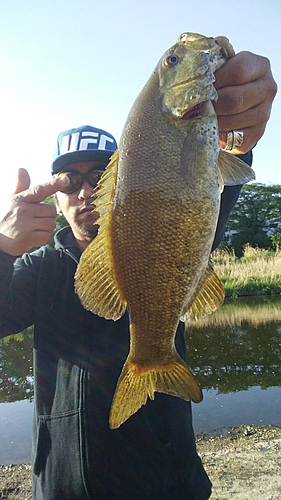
(209, 298)
(95, 279)
(234, 171)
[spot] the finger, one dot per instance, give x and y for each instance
(243, 68)
(251, 133)
(250, 138)
(36, 238)
(42, 191)
(247, 106)
(22, 181)
(40, 210)
(236, 100)
(252, 122)
(45, 224)
(225, 43)
(248, 118)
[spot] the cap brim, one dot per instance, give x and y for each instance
(76, 156)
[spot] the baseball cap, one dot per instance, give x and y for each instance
(84, 143)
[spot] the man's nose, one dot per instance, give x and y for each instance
(85, 191)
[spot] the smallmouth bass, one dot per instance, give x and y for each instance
(159, 201)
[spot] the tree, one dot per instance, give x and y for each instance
(276, 241)
(255, 217)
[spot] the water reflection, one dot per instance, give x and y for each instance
(234, 353)
(254, 310)
(238, 346)
(235, 348)
(16, 382)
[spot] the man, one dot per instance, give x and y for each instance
(77, 355)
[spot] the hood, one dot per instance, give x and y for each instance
(64, 240)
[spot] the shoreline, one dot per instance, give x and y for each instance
(244, 464)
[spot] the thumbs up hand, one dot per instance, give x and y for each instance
(27, 221)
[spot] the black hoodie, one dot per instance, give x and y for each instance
(78, 357)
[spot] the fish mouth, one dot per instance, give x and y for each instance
(194, 112)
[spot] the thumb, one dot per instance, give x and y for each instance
(22, 181)
(225, 43)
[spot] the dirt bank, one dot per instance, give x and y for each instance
(244, 464)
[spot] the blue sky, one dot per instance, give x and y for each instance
(66, 63)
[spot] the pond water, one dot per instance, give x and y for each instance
(235, 353)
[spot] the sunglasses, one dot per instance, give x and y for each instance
(76, 180)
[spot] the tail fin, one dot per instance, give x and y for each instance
(136, 383)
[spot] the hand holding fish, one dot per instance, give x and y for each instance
(27, 221)
(246, 90)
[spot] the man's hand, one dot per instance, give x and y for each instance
(246, 90)
(27, 221)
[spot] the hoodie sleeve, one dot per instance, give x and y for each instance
(229, 197)
(17, 293)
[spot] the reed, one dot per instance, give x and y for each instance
(257, 272)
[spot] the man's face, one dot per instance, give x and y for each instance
(77, 207)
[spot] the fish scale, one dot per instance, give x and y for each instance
(159, 201)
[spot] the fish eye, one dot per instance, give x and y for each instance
(171, 60)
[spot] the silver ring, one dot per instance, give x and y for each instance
(234, 140)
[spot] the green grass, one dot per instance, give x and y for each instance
(258, 272)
